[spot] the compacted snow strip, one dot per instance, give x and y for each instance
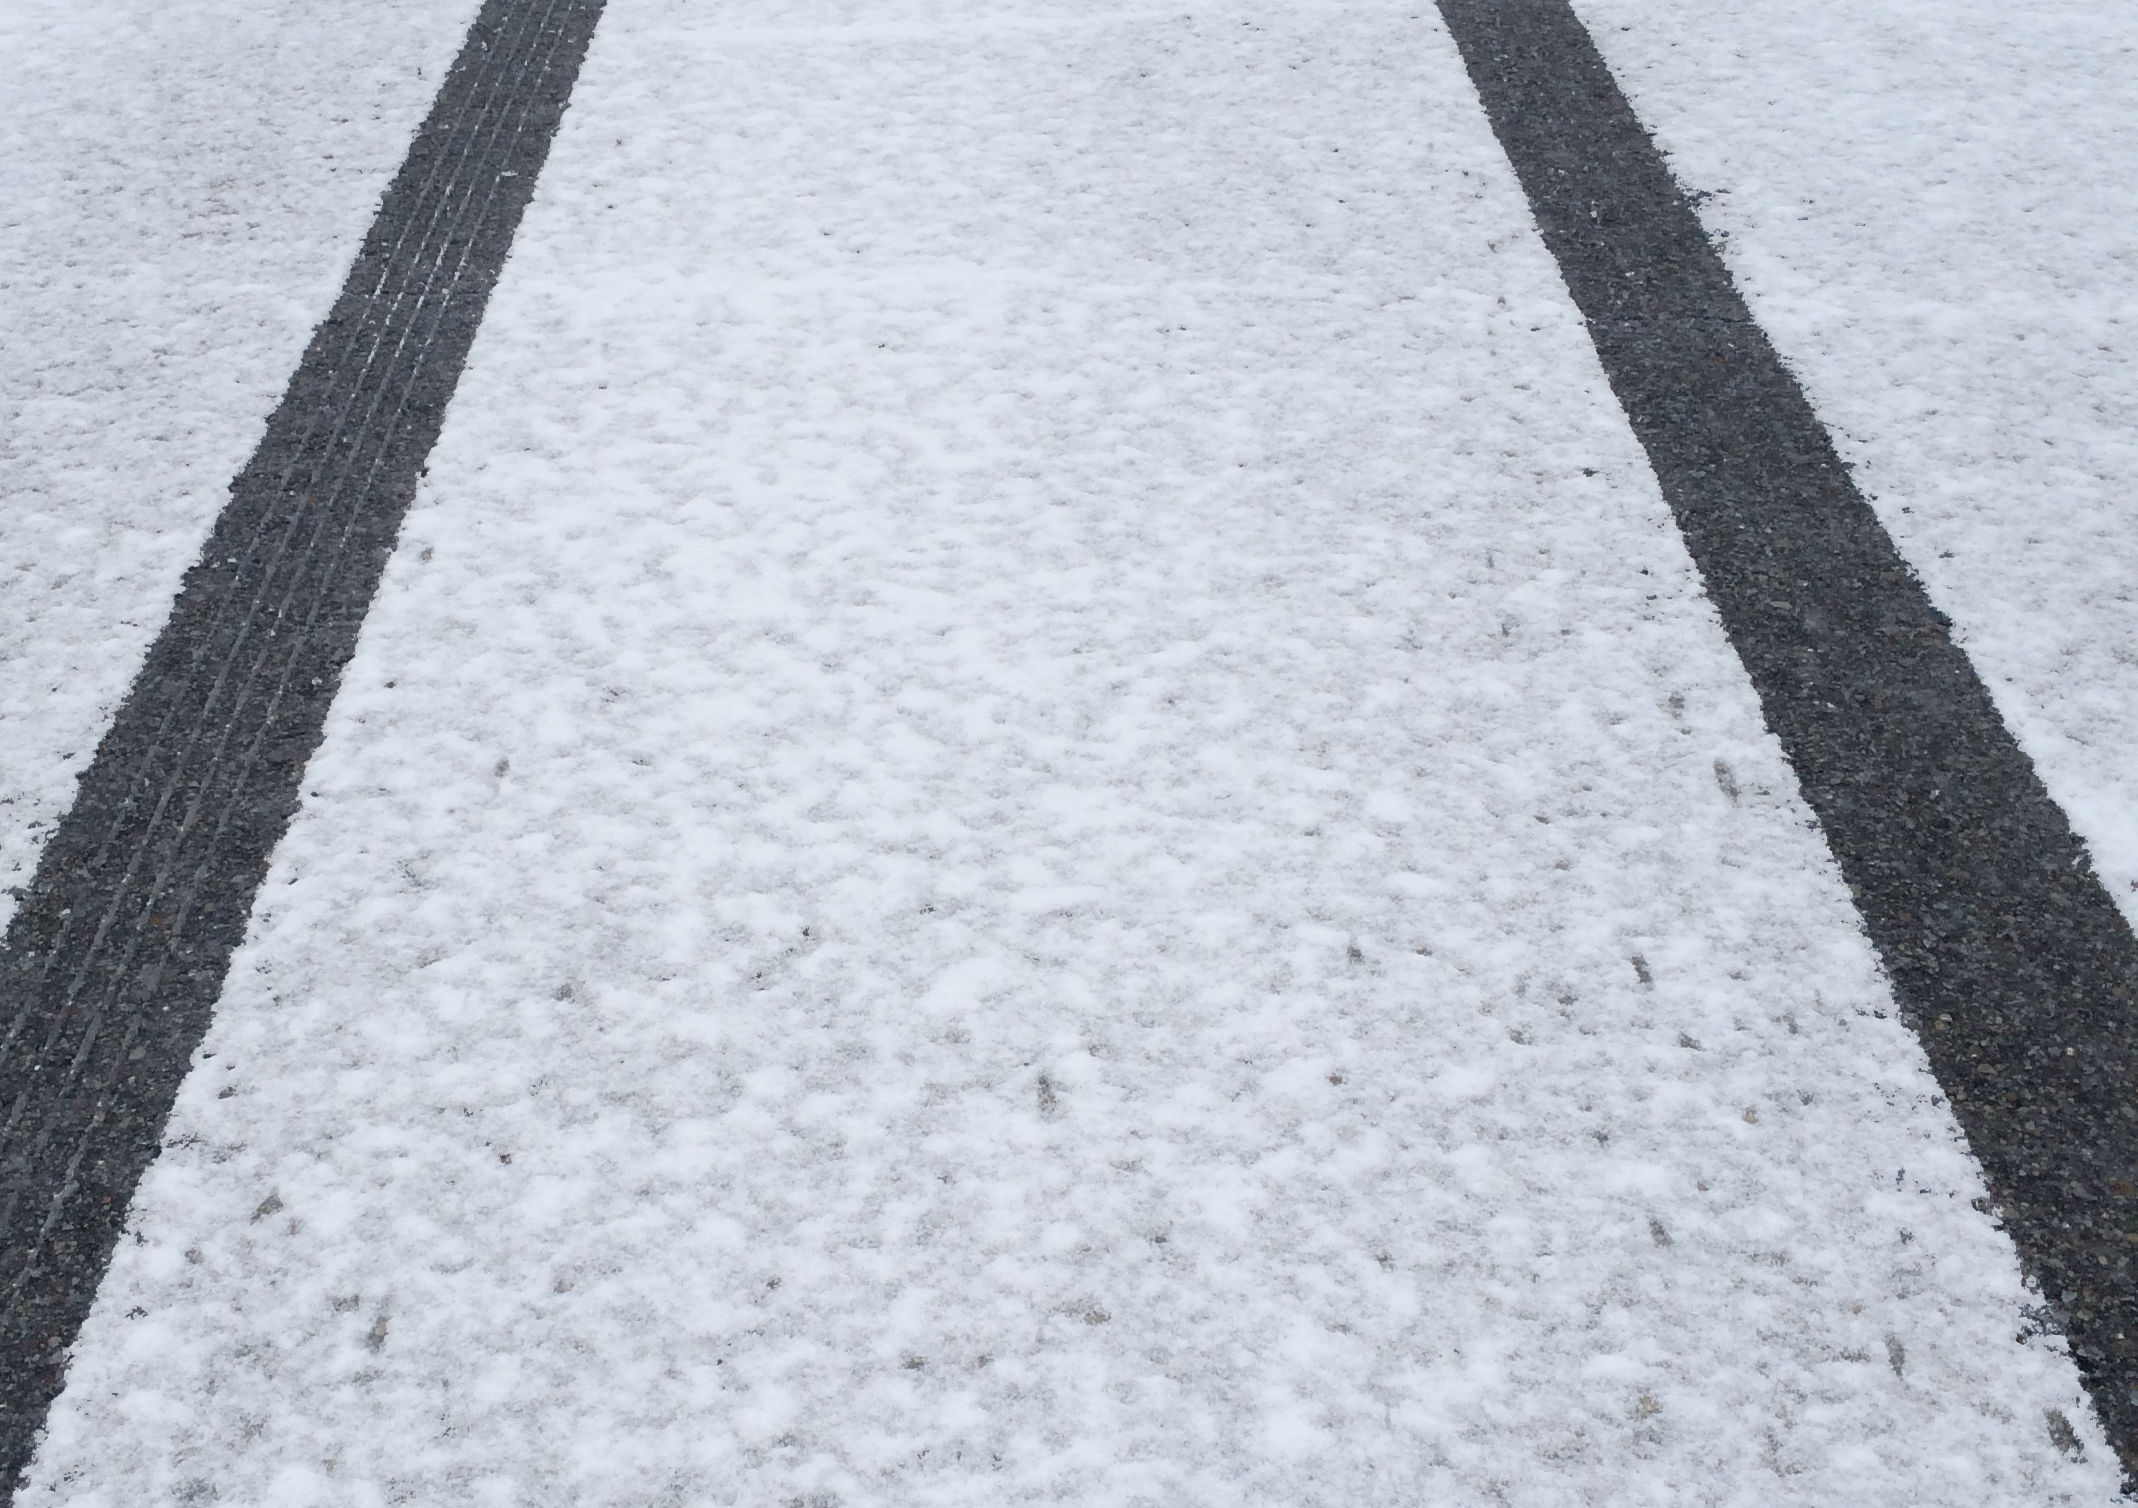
(181, 190)
(1040, 810)
(1929, 209)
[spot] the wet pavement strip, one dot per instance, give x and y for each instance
(113, 964)
(2003, 950)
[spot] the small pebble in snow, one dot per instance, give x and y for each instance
(1751, 1116)
(1641, 971)
(1687, 1041)
(1336, 1078)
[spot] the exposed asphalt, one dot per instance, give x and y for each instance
(2003, 950)
(112, 966)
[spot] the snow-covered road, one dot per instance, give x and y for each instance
(1040, 809)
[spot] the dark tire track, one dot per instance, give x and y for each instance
(112, 966)
(2003, 950)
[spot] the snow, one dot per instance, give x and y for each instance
(1040, 810)
(181, 189)
(1930, 211)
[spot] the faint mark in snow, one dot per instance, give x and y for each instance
(2062, 1436)
(1658, 1233)
(1642, 973)
(1467, 1082)
(1896, 1355)
(267, 1207)
(1726, 781)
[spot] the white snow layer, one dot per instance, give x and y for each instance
(1041, 811)
(1930, 208)
(181, 189)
